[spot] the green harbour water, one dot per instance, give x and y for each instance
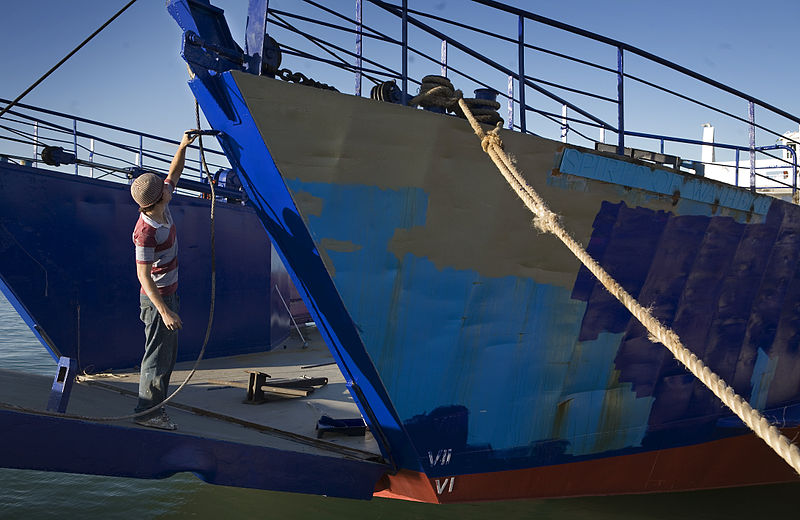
(26, 494)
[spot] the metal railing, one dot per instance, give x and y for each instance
(100, 150)
(560, 106)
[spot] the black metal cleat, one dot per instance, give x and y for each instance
(350, 427)
(259, 390)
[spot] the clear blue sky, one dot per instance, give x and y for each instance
(132, 75)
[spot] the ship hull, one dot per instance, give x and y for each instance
(480, 350)
(743, 460)
(67, 266)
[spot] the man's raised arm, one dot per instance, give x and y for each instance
(178, 161)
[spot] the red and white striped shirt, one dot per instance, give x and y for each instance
(157, 244)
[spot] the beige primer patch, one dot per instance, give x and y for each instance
(307, 203)
(340, 246)
(474, 221)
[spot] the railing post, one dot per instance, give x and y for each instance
(794, 176)
(521, 75)
(444, 58)
(405, 52)
(736, 171)
(141, 150)
(255, 34)
(75, 142)
(752, 117)
(359, 29)
(620, 104)
(91, 157)
(564, 126)
(511, 102)
(35, 143)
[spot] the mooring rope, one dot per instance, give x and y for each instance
(438, 91)
(65, 58)
(547, 221)
(208, 326)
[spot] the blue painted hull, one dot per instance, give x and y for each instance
(66, 264)
(476, 346)
(115, 450)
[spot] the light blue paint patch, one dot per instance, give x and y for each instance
(693, 207)
(455, 343)
(574, 183)
(591, 363)
(603, 420)
(367, 279)
(606, 169)
(763, 373)
(501, 347)
(595, 412)
(439, 337)
(519, 358)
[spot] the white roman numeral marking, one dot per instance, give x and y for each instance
(442, 457)
(442, 485)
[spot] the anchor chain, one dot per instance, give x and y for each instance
(302, 79)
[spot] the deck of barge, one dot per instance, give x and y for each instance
(219, 434)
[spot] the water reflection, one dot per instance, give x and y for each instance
(36, 494)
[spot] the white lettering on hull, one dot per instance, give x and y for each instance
(442, 485)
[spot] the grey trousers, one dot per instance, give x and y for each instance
(160, 351)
